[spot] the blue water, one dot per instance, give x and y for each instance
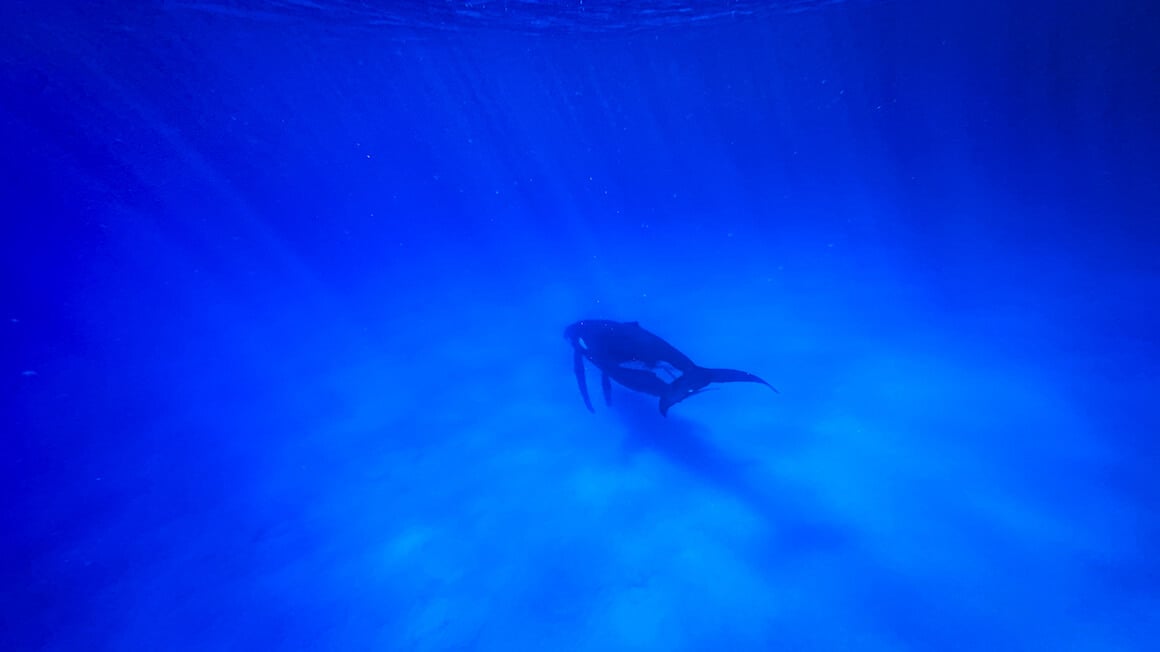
(284, 286)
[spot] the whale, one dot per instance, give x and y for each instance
(638, 360)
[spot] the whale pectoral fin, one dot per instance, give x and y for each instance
(578, 368)
(735, 376)
(606, 385)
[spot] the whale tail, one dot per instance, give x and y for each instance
(698, 379)
(735, 376)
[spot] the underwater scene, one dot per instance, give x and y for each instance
(580, 325)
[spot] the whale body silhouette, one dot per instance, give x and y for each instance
(641, 361)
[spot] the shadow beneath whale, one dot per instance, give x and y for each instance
(784, 509)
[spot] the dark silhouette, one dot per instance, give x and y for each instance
(643, 362)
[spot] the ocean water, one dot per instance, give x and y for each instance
(284, 286)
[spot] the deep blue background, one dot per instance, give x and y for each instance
(283, 290)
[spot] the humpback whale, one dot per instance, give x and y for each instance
(642, 362)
